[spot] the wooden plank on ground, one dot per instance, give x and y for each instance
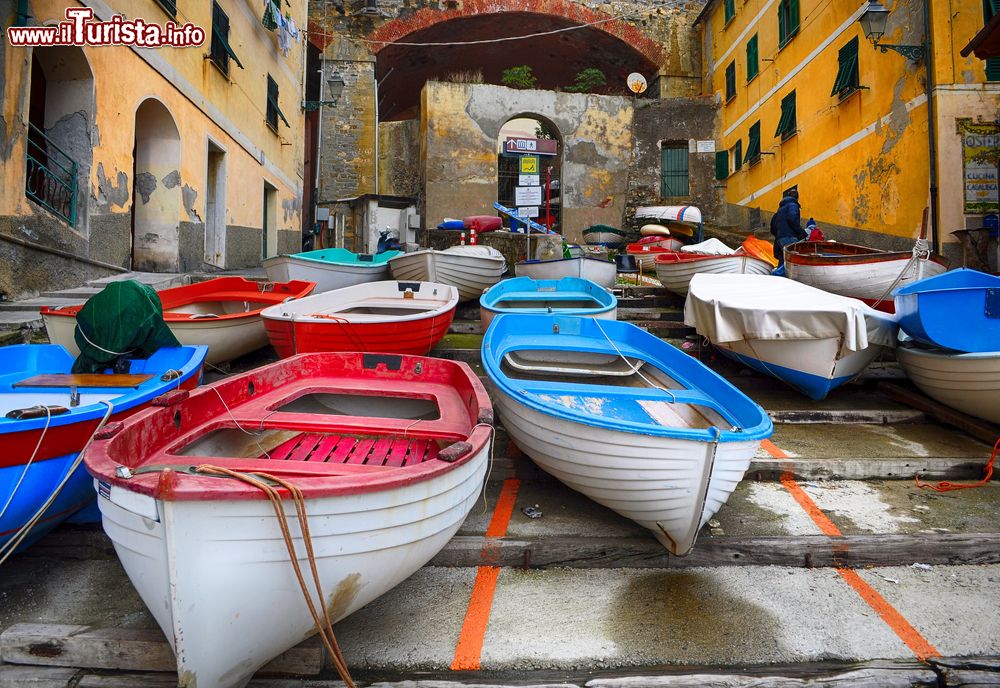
(861, 468)
(129, 649)
(980, 429)
(36, 677)
(792, 551)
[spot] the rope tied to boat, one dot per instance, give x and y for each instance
(347, 326)
(921, 252)
(946, 486)
(673, 397)
(261, 482)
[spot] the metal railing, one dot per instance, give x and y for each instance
(51, 178)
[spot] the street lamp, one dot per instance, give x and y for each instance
(334, 89)
(873, 21)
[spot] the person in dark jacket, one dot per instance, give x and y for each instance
(786, 225)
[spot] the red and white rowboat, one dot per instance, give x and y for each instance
(646, 251)
(223, 313)
(387, 317)
(389, 453)
(868, 274)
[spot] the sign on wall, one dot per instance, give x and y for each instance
(980, 157)
(515, 144)
(528, 164)
(528, 195)
(528, 212)
(528, 180)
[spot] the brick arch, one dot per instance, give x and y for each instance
(398, 29)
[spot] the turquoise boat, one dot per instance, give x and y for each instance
(566, 296)
(330, 268)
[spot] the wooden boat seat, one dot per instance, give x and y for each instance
(83, 380)
(616, 368)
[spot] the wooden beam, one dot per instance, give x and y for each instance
(124, 648)
(36, 677)
(980, 429)
(806, 551)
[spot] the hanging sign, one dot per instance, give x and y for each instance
(528, 195)
(528, 180)
(537, 146)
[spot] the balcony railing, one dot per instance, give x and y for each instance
(51, 179)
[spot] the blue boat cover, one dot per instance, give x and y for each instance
(554, 339)
(957, 310)
(341, 256)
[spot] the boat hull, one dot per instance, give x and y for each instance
(219, 569)
(676, 276)
(470, 273)
(928, 311)
(327, 276)
(967, 382)
(667, 485)
(601, 272)
(290, 337)
(603, 238)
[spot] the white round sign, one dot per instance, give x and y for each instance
(636, 82)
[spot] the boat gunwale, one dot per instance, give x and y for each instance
(448, 303)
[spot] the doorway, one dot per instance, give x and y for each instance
(215, 207)
(269, 222)
(533, 190)
(156, 189)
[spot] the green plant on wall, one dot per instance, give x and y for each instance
(518, 77)
(587, 81)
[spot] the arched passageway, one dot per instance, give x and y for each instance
(536, 188)
(156, 190)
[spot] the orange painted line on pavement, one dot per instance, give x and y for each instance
(893, 619)
(469, 650)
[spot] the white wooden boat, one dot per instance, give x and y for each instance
(389, 452)
(470, 269)
(624, 418)
(968, 382)
(810, 339)
(679, 219)
(330, 268)
(858, 271)
(675, 269)
(602, 272)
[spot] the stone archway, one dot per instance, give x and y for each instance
(156, 189)
(529, 125)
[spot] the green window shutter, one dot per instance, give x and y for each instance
(730, 10)
(731, 81)
(752, 58)
(273, 111)
(220, 51)
(674, 171)
(788, 20)
(753, 145)
(989, 9)
(793, 17)
(847, 71)
(738, 156)
(721, 164)
(786, 125)
(993, 69)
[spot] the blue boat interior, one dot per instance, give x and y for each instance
(568, 293)
(344, 257)
(615, 375)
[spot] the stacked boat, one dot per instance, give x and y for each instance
(675, 269)
(383, 455)
(597, 270)
(952, 352)
(330, 268)
(624, 418)
(385, 317)
(604, 235)
(470, 269)
(221, 313)
(566, 296)
(49, 414)
(810, 339)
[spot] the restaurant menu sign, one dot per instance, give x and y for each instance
(980, 157)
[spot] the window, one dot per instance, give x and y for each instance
(786, 125)
(169, 6)
(738, 156)
(847, 73)
(220, 52)
(753, 145)
(788, 21)
(273, 111)
(990, 8)
(731, 81)
(752, 68)
(721, 164)
(730, 9)
(674, 170)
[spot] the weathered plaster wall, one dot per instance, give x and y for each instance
(400, 173)
(461, 125)
(676, 120)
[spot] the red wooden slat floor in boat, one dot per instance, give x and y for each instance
(388, 451)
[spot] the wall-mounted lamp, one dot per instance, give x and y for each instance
(334, 89)
(873, 21)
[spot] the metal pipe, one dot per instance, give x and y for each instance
(931, 131)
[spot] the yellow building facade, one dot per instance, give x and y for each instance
(157, 159)
(807, 102)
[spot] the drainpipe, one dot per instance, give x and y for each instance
(932, 131)
(375, 79)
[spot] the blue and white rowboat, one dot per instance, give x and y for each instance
(566, 296)
(811, 339)
(624, 418)
(957, 310)
(42, 432)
